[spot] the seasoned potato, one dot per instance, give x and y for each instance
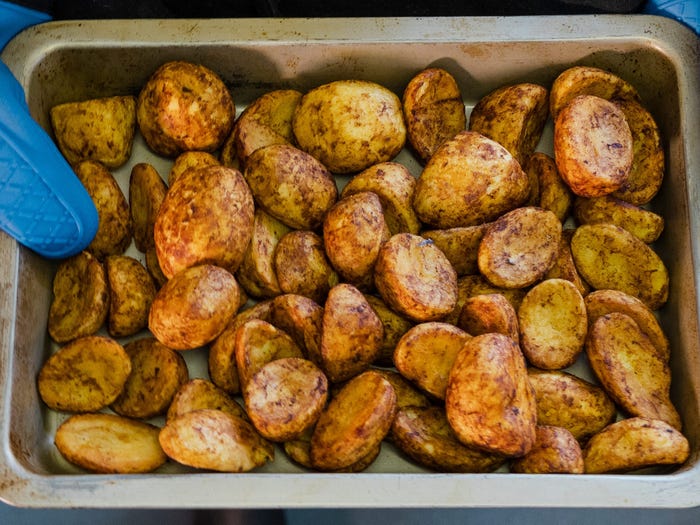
(433, 109)
(299, 451)
(415, 278)
(407, 395)
(568, 401)
(519, 247)
(354, 422)
(592, 146)
(354, 230)
(634, 443)
(564, 266)
(609, 257)
(460, 245)
(285, 397)
(260, 310)
(395, 326)
(471, 285)
(117, 445)
(394, 185)
(644, 224)
(114, 227)
(100, 129)
(86, 375)
(489, 401)
(471, 179)
(157, 373)
(184, 106)
(80, 300)
(553, 194)
(302, 266)
(206, 218)
(199, 393)
(291, 185)
(630, 368)
(190, 160)
(131, 292)
(351, 335)
(214, 440)
(221, 362)
(194, 307)
(514, 116)
(489, 313)
(555, 451)
(426, 353)
(425, 436)
(302, 319)
(146, 193)
(153, 267)
(350, 125)
(553, 324)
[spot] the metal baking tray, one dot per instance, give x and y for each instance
(64, 61)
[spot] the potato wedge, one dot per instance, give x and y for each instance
(302, 319)
(131, 293)
(146, 193)
(221, 361)
(395, 326)
(564, 266)
(199, 393)
(460, 245)
(555, 451)
(642, 223)
(190, 160)
(153, 267)
(299, 451)
(407, 395)
(552, 192)
(489, 313)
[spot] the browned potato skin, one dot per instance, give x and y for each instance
(514, 116)
(489, 313)
(415, 278)
(354, 422)
(553, 193)
(206, 218)
(634, 443)
(299, 451)
(460, 245)
(568, 401)
(354, 230)
(194, 307)
(199, 393)
(221, 361)
(519, 247)
(114, 228)
(555, 451)
(97, 129)
(214, 440)
(80, 300)
(118, 445)
(146, 193)
(425, 436)
(86, 375)
(564, 266)
(395, 326)
(470, 180)
(131, 294)
(302, 319)
(184, 106)
(407, 395)
(351, 335)
(433, 109)
(190, 160)
(490, 403)
(157, 372)
(630, 368)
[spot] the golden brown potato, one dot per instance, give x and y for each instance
(490, 403)
(117, 445)
(592, 146)
(302, 266)
(564, 266)
(285, 397)
(351, 335)
(519, 247)
(555, 451)
(214, 440)
(350, 125)
(433, 109)
(157, 373)
(153, 267)
(471, 179)
(100, 129)
(489, 313)
(642, 223)
(299, 451)
(407, 395)
(206, 218)
(395, 326)
(354, 422)
(425, 436)
(291, 185)
(190, 160)
(86, 375)
(199, 393)
(260, 310)
(302, 319)
(184, 106)
(630, 368)
(114, 227)
(194, 307)
(460, 245)
(634, 443)
(568, 401)
(471, 285)
(425, 355)
(146, 193)
(221, 362)
(514, 116)
(553, 324)
(80, 300)
(131, 292)
(415, 278)
(394, 185)
(552, 192)
(354, 230)
(609, 257)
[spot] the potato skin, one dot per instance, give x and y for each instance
(488, 313)
(555, 451)
(460, 245)
(199, 393)
(146, 194)
(132, 291)
(552, 192)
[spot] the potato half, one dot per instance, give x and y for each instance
(555, 451)
(146, 193)
(131, 293)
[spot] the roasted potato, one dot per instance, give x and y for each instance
(153, 267)
(395, 326)
(642, 223)
(564, 266)
(471, 285)
(407, 395)
(299, 451)
(302, 319)
(555, 451)
(190, 160)
(489, 313)
(199, 393)
(146, 193)
(131, 293)
(552, 192)
(460, 245)
(221, 361)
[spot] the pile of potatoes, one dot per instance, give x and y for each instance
(440, 313)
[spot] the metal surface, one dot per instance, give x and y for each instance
(63, 61)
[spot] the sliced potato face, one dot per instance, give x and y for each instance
(555, 451)
(460, 245)
(200, 393)
(642, 223)
(146, 193)
(489, 313)
(131, 293)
